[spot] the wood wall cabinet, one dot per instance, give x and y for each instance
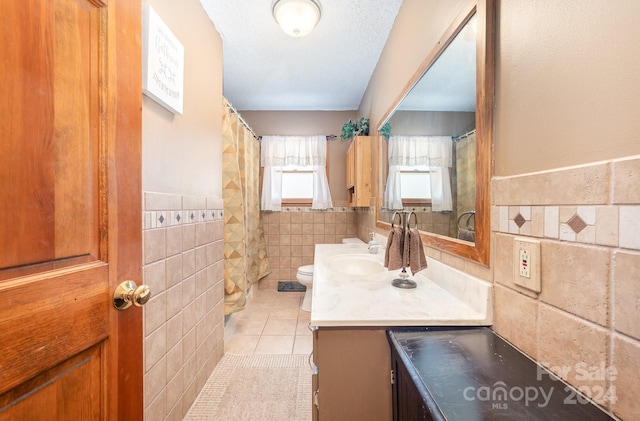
(353, 378)
(359, 172)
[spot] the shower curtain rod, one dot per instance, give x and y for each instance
(462, 136)
(244, 123)
(329, 137)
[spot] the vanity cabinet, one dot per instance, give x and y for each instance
(473, 374)
(353, 378)
(358, 172)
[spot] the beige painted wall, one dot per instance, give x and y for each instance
(310, 123)
(567, 85)
(431, 123)
(416, 31)
(183, 153)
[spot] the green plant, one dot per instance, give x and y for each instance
(385, 131)
(363, 127)
(354, 128)
(348, 130)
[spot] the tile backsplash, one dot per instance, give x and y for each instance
(184, 320)
(292, 234)
(583, 325)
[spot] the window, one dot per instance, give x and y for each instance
(294, 172)
(415, 187)
(419, 158)
(297, 185)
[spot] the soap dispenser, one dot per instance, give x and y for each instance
(373, 244)
(372, 241)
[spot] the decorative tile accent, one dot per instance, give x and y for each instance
(504, 218)
(158, 219)
(304, 209)
(525, 211)
(551, 221)
(587, 214)
(567, 233)
(630, 227)
(577, 224)
(607, 225)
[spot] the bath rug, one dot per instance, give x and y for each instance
(291, 286)
(256, 387)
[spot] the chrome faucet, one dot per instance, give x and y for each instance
(373, 248)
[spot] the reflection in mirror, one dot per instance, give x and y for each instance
(432, 144)
(433, 161)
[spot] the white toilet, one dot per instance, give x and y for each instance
(305, 276)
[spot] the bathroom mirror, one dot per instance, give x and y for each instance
(437, 160)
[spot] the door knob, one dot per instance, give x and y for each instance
(129, 293)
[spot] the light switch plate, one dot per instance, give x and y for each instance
(526, 259)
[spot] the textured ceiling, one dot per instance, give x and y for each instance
(329, 69)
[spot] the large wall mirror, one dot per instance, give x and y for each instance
(435, 142)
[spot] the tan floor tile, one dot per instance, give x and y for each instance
(274, 345)
(304, 315)
(283, 313)
(280, 327)
(303, 328)
(239, 344)
(269, 325)
(303, 345)
(253, 313)
(263, 304)
(264, 293)
(288, 302)
(249, 327)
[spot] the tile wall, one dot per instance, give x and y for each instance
(585, 323)
(184, 320)
(292, 234)
(435, 222)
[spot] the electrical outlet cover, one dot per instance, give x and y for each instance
(526, 261)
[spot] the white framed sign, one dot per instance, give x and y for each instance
(162, 62)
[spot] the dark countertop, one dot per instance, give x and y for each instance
(473, 374)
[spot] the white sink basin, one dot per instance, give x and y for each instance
(355, 264)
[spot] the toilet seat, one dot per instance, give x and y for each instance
(306, 270)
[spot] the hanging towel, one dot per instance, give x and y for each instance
(393, 252)
(466, 235)
(414, 257)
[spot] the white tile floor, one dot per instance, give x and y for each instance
(272, 323)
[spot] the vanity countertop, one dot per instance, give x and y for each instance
(473, 374)
(444, 296)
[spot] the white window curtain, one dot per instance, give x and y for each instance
(305, 151)
(418, 152)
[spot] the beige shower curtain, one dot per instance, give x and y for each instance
(245, 253)
(466, 173)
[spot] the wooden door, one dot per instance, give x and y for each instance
(70, 199)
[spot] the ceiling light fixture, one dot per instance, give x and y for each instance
(296, 17)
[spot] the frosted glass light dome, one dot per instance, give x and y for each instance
(296, 17)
